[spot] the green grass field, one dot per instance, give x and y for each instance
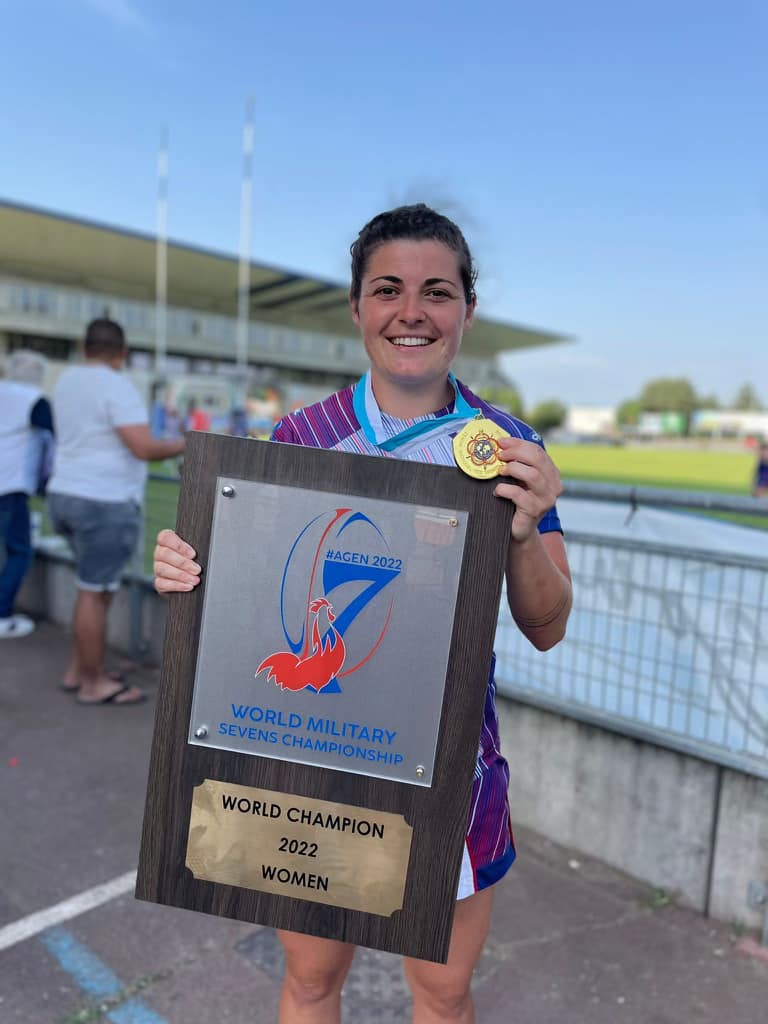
(670, 468)
(676, 468)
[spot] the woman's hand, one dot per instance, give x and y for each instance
(174, 565)
(530, 479)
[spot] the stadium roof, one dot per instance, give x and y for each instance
(43, 246)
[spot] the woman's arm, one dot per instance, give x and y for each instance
(538, 577)
(539, 588)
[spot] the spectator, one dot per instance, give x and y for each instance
(158, 421)
(197, 419)
(26, 432)
(760, 485)
(238, 423)
(95, 496)
(173, 425)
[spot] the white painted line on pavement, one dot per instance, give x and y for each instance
(35, 923)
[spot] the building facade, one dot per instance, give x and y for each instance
(58, 273)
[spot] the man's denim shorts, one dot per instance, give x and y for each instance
(102, 535)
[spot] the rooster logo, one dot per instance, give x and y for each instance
(323, 642)
(318, 663)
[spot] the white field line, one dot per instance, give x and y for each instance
(35, 923)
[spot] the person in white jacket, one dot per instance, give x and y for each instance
(25, 429)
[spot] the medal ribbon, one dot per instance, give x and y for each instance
(418, 435)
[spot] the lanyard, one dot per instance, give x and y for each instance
(369, 417)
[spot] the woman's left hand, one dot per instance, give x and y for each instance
(531, 480)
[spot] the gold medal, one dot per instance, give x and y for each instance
(476, 448)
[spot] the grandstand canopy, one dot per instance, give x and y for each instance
(51, 248)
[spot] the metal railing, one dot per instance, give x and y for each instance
(665, 643)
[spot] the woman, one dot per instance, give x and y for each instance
(412, 297)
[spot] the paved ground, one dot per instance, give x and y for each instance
(572, 940)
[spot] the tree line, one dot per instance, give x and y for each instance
(677, 394)
(544, 416)
(662, 394)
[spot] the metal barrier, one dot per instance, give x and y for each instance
(666, 644)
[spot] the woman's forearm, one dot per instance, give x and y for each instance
(539, 588)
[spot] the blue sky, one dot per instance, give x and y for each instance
(607, 161)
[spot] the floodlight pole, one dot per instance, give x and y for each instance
(161, 258)
(243, 274)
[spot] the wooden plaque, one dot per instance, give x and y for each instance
(326, 850)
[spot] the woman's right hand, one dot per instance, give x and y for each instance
(174, 564)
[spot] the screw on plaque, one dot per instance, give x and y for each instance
(228, 491)
(201, 732)
(419, 770)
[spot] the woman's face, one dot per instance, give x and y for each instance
(412, 312)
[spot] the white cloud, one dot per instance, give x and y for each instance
(120, 12)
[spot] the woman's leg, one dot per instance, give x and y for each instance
(441, 991)
(315, 970)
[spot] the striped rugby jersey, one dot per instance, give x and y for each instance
(489, 848)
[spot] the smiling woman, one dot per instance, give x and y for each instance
(412, 297)
(412, 323)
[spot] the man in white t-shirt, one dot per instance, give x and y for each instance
(95, 495)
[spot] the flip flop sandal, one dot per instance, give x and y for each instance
(111, 699)
(118, 677)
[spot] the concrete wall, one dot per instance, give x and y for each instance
(643, 809)
(692, 828)
(741, 850)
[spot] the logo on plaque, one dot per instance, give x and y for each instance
(334, 608)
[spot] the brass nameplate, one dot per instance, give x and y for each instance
(330, 853)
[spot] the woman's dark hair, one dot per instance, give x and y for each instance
(417, 223)
(104, 339)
